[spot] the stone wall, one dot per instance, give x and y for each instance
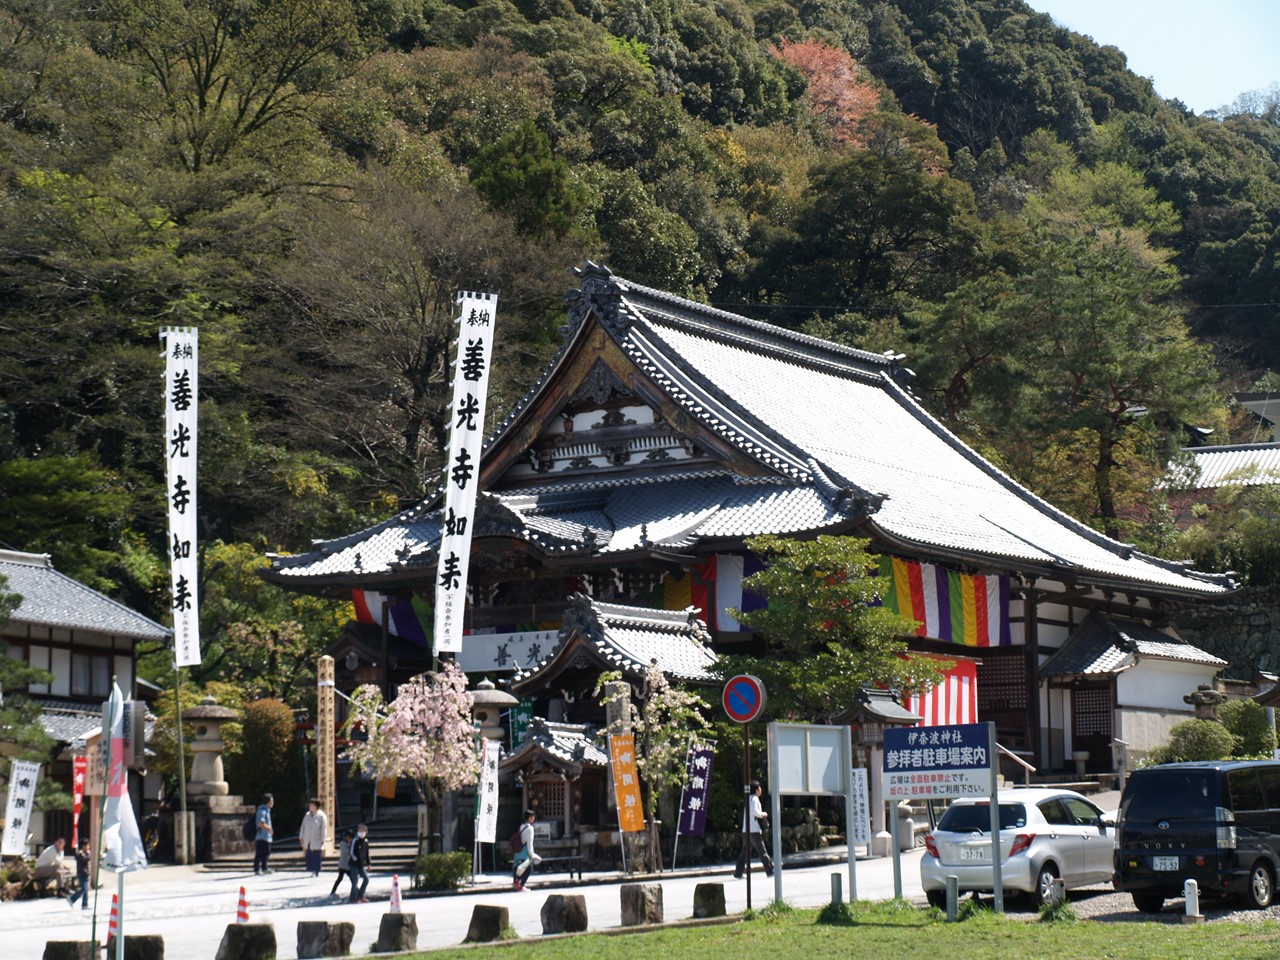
(1243, 629)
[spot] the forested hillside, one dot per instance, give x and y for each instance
(1077, 271)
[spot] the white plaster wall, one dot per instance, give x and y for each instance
(1142, 729)
(1161, 684)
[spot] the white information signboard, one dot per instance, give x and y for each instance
(23, 775)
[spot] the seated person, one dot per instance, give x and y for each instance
(50, 866)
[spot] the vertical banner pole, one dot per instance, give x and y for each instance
(181, 840)
(775, 812)
(997, 871)
(849, 807)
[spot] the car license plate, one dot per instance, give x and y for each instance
(974, 853)
(1164, 863)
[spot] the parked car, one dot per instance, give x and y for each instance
(1216, 822)
(1046, 834)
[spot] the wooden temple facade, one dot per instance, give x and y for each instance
(661, 436)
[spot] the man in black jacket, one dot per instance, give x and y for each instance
(358, 867)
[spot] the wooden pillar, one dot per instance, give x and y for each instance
(326, 749)
(1041, 745)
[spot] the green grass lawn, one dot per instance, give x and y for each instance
(897, 931)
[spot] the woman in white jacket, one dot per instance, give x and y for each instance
(312, 834)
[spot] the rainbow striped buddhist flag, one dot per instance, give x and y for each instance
(951, 606)
(407, 617)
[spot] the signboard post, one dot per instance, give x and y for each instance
(743, 700)
(811, 760)
(945, 762)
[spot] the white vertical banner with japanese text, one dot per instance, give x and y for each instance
(462, 474)
(487, 792)
(23, 775)
(181, 392)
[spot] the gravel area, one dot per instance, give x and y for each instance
(1103, 904)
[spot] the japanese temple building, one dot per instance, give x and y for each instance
(662, 435)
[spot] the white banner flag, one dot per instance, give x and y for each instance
(487, 792)
(23, 775)
(181, 395)
(121, 838)
(462, 473)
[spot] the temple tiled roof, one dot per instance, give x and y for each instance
(835, 440)
(628, 639)
(570, 745)
(1102, 645)
(52, 599)
(1245, 463)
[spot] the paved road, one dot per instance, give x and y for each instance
(191, 908)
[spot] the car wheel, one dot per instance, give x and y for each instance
(1043, 894)
(936, 898)
(1148, 902)
(1261, 886)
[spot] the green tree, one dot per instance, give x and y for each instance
(271, 762)
(520, 175)
(826, 631)
(1239, 529)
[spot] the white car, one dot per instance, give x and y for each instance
(1046, 834)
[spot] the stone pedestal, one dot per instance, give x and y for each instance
(564, 913)
(247, 941)
(319, 938)
(641, 903)
(487, 924)
(397, 933)
(708, 900)
(218, 822)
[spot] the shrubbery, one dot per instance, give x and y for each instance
(441, 871)
(1246, 720)
(1195, 740)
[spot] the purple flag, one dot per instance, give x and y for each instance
(697, 787)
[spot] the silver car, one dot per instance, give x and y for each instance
(1045, 835)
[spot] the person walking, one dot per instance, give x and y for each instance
(344, 860)
(358, 867)
(312, 835)
(525, 859)
(84, 860)
(263, 838)
(756, 819)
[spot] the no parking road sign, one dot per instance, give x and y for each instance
(743, 698)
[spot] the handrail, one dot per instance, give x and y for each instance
(1027, 768)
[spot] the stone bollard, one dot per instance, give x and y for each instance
(487, 923)
(397, 933)
(319, 938)
(70, 950)
(564, 913)
(145, 947)
(641, 903)
(246, 941)
(708, 900)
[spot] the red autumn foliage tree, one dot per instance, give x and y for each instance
(836, 94)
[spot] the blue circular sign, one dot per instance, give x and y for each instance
(743, 698)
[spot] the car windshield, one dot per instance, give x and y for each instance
(1169, 794)
(971, 817)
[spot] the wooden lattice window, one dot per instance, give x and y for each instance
(1002, 684)
(549, 799)
(1091, 712)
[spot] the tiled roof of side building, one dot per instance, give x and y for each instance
(52, 599)
(1246, 464)
(1104, 645)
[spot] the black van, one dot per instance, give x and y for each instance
(1216, 822)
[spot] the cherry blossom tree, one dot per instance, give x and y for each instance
(425, 734)
(836, 94)
(667, 719)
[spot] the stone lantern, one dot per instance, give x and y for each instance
(487, 708)
(206, 748)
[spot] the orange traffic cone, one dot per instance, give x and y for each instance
(242, 910)
(395, 893)
(113, 925)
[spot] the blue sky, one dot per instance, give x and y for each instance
(1203, 52)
